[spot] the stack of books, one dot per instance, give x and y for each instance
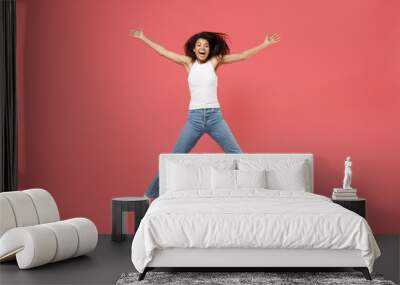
(344, 194)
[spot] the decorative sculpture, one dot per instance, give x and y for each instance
(347, 173)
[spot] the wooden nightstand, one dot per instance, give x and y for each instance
(357, 206)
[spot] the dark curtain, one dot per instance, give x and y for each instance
(8, 100)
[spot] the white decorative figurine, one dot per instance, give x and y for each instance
(347, 173)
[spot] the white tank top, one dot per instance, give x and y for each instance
(203, 83)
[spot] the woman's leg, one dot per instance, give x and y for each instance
(189, 135)
(221, 133)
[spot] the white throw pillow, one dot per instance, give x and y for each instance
(282, 174)
(251, 178)
(223, 179)
(289, 179)
(190, 174)
(187, 177)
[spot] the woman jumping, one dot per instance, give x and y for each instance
(204, 53)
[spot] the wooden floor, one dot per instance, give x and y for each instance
(111, 259)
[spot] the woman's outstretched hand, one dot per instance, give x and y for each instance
(272, 39)
(136, 33)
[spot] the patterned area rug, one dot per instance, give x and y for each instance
(270, 278)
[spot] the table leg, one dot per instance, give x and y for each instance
(117, 222)
(124, 223)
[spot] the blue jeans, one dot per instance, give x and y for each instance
(200, 121)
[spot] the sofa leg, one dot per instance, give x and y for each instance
(143, 274)
(364, 271)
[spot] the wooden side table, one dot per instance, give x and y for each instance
(120, 207)
(357, 206)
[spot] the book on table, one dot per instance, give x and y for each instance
(341, 190)
(334, 197)
(344, 194)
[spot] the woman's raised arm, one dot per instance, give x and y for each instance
(230, 58)
(175, 57)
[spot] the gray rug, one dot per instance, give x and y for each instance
(270, 278)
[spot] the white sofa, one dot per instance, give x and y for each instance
(31, 231)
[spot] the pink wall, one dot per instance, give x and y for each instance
(96, 106)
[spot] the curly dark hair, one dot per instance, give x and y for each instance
(217, 42)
